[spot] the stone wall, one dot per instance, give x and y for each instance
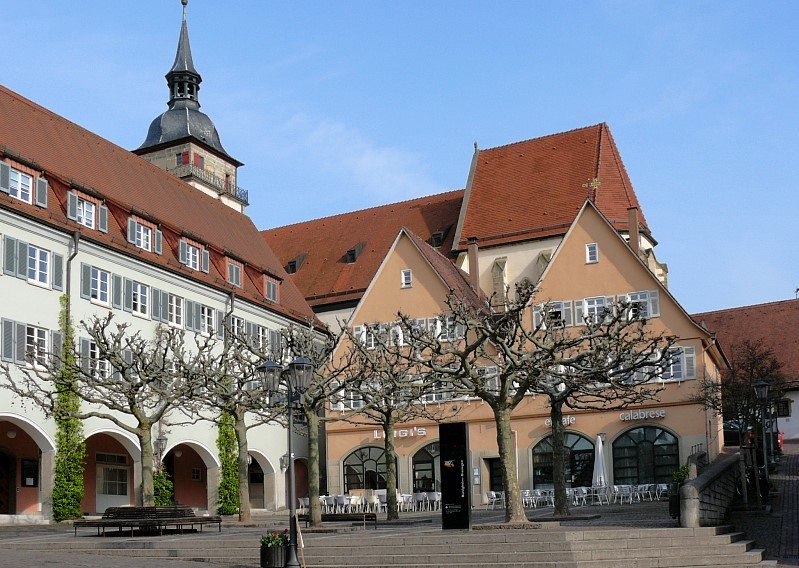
(705, 500)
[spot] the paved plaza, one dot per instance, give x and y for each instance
(236, 545)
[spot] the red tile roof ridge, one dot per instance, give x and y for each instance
(441, 195)
(629, 192)
(545, 136)
(749, 306)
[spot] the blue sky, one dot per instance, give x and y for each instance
(345, 105)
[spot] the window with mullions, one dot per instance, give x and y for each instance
(99, 285)
(595, 309)
(38, 265)
(85, 213)
(36, 345)
(427, 468)
(365, 468)
(19, 185)
(579, 462)
(647, 454)
(175, 310)
(139, 295)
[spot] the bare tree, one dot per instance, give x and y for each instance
(391, 390)
(120, 377)
(501, 357)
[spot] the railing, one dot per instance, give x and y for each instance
(705, 500)
(221, 185)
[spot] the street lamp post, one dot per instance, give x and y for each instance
(761, 391)
(298, 377)
(160, 446)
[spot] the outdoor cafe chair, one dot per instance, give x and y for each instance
(303, 504)
(625, 492)
(383, 500)
(342, 503)
(601, 493)
(527, 498)
(434, 499)
(372, 504)
(580, 495)
(420, 501)
(328, 503)
(644, 491)
(545, 498)
(356, 503)
(406, 502)
(660, 490)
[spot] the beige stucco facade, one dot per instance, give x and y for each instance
(683, 428)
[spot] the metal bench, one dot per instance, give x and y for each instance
(148, 518)
(343, 517)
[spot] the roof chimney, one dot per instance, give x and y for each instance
(474, 266)
(635, 236)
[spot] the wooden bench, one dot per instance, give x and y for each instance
(148, 518)
(343, 517)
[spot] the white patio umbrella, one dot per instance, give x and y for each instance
(600, 476)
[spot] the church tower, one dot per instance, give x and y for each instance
(184, 141)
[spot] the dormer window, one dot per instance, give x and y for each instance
(234, 273)
(194, 256)
(19, 185)
(270, 289)
(437, 239)
(87, 211)
(353, 254)
(291, 267)
(144, 235)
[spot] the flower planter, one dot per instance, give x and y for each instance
(273, 556)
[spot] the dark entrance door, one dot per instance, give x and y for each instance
(494, 474)
(6, 464)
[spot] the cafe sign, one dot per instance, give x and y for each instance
(567, 421)
(415, 432)
(643, 414)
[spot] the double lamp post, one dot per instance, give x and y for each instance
(297, 375)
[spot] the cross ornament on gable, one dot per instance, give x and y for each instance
(592, 185)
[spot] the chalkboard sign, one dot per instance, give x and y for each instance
(30, 473)
(456, 510)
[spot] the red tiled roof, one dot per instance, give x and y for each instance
(325, 277)
(534, 189)
(70, 154)
(454, 278)
(775, 323)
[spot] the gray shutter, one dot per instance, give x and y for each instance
(274, 344)
(537, 309)
(10, 256)
(164, 306)
(206, 261)
(654, 303)
(250, 331)
(58, 271)
(72, 206)
(57, 343)
(116, 291)
(566, 307)
(7, 351)
(155, 305)
(41, 192)
(220, 323)
(159, 242)
(579, 319)
(689, 371)
(85, 281)
(102, 219)
(21, 343)
(128, 305)
(183, 252)
(84, 354)
(22, 260)
(198, 316)
(5, 177)
(131, 230)
(188, 315)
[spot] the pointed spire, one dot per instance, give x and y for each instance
(183, 79)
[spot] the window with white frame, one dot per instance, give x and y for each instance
(139, 298)
(370, 337)
(85, 213)
(237, 326)
(591, 253)
(679, 364)
(175, 310)
(490, 376)
(234, 274)
(99, 368)
(449, 330)
(192, 256)
(114, 473)
(20, 185)
(143, 238)
(206, 320)
(595, 309)
(36, 345)
(270, 289)
(38, 265)
(262, 336)
(352, 399)
(556, 314)
(644, 304)
(99, 286)
(407, 278)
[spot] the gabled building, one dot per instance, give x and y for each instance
(116, 233)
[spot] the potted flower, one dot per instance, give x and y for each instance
(273, 549)
(677, 478)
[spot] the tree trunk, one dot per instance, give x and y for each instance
(392, 510)
(558, 459)
(146, 444)
(245, 514)
(314, 507)
(514, 507)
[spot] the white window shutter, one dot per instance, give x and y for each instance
(9, 256)
(102, 219)
(689, 362)
(7, 351)
(72, 206)
(654, 303)
(22, 260)
(206, 263)
(41, 192)
(183, 252)
(159, 242)
(85, 281)
(566, 308)
(131, 230)
(5, 177)
(58, 272)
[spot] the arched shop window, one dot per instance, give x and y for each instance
(427, 468)
(365, 468)
(579, 461)
(645, 455)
